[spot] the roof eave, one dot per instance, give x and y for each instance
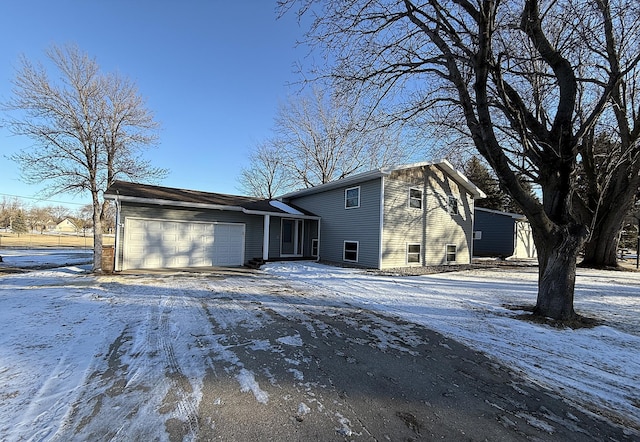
(281, 214)
(386, 171)
(162, 202)
(460, 178)
(365, 176)
(190, 205)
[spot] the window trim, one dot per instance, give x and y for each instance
(450, 207)
(419, 253)
(344, 250)
(415, 199)
(455, 253)
(346, 191)
(315, 245)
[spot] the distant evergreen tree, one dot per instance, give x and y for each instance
(19, 224)
(511, 205)
(480, 175)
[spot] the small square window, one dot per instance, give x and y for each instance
(350, 252)
(352, 198)
(452, 250)
(415, 198)
(413, 253)
(453, 205)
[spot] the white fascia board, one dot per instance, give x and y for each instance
(280, 214)
(365, 176)
(386, 171)
(161, 202)
(460, 178)
(499, 212)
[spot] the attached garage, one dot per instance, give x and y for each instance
(157, 243)
(164, 227)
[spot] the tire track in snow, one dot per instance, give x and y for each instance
(181, 389)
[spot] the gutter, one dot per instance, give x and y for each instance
(162, 202)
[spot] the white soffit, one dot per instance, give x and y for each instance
(285, 207)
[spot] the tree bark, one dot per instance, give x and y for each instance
(617, 202)
(600, 250)
(557, 257)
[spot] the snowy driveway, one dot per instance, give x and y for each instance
(307, 352)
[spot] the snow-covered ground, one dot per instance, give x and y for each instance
(598, 366)
(70, 341)
(42, 258)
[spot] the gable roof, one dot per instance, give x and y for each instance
(169, 196)
(386, 171)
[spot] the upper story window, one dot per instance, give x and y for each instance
(453, 205)
(352, 198)
(415, 198)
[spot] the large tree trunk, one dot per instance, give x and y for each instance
(600, 250)
(557, 257)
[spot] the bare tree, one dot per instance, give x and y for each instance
(58, 213)
(89, 129)
(530, 79)
(267, 174)
(321, 138)
(38, 217)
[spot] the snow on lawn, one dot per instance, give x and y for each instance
(82, 356)
(598, 367)
(43, 258)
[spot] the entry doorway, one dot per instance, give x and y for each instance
(291, 237)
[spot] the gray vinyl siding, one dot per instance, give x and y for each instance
(253, 223)
(432, 226)
(497, 234)
(339, 224)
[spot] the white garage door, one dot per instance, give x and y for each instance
(153, 243)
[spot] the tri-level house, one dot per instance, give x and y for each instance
(419, 214)
(412, 215)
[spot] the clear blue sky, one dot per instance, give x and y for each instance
(212, 71)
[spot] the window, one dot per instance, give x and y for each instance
(452, 250)
(350, 252)
(413, 253)
(352, 198)
(415, 198)
(314, 247)
(477, 235)
(453, 205)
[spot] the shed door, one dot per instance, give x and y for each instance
(154, 243)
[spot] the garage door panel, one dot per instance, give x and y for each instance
(163, 243)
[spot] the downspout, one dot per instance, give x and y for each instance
(265, 238)
(425, 209)
(319, 230)
(473, 228)
(116, 242)
(380, 245)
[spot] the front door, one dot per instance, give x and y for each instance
(291, 237)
